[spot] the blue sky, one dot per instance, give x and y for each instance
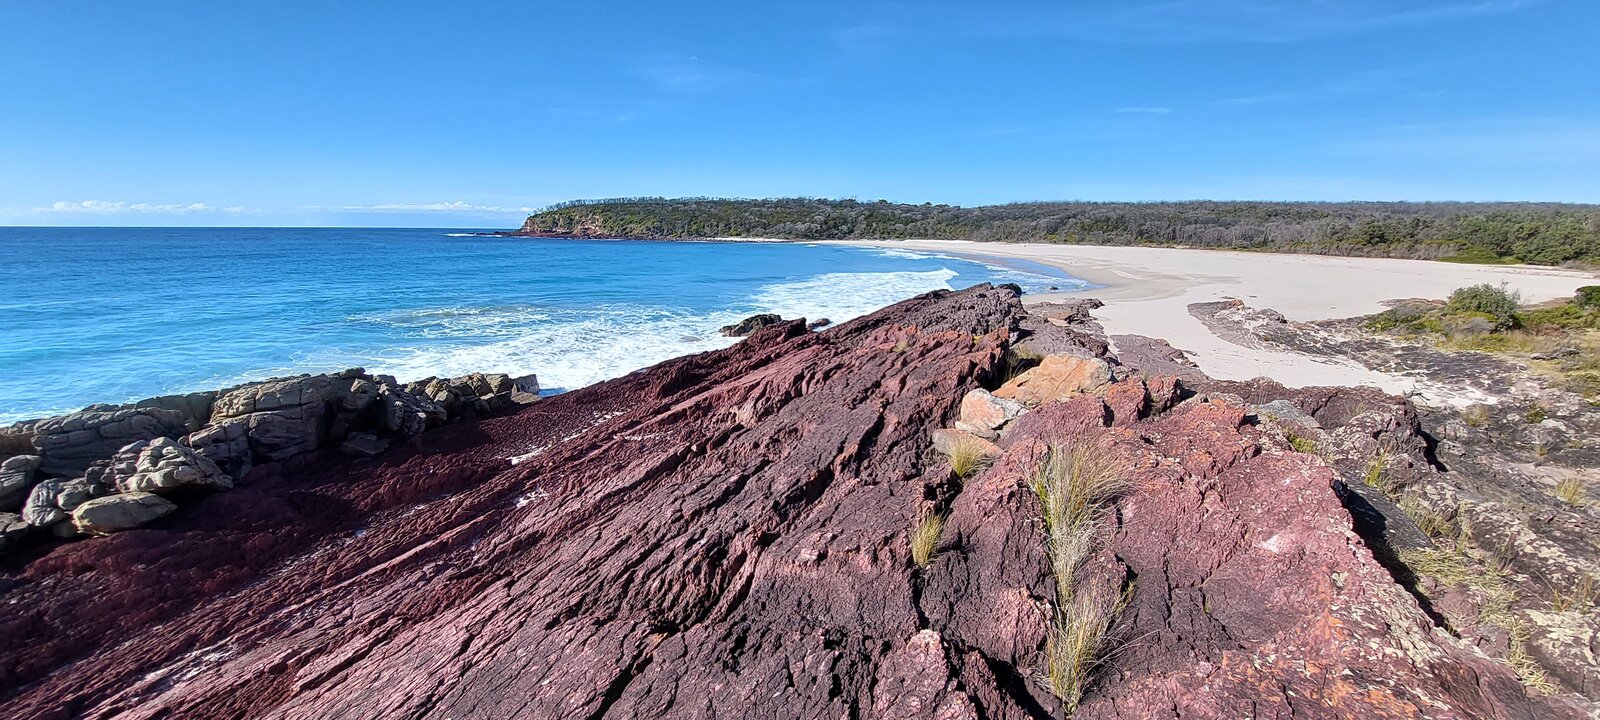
(469, 114)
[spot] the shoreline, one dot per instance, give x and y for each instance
(1148, 292)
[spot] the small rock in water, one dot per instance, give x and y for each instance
(818, 324)
(750, 324)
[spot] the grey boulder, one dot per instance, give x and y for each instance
(163, 464)
(51, 500)
(16, 479)
(115, 513)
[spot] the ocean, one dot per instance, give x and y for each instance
(90, 315)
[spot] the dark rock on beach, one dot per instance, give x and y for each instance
(729, 535)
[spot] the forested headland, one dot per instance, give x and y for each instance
(1537, 233)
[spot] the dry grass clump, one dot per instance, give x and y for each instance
(1580, 598)
(925, 538)
(1075, 484)
(968, 455)
(1449, 567)
(1523, 664)
(1076, 647)
(1476, 416)
(1571, 492)
(1020, 359)
(1433, 524)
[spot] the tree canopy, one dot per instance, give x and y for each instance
(1538, 233)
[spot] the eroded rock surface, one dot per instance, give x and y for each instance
(727, 535)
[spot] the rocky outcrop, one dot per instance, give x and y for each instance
(750, 324)
(16, 479)
(68, 445)
(207, 441)
(729, 535)
(51, 501)
(153, 466)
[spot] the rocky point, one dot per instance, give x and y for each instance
(730, 534)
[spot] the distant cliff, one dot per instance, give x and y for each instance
(1538, 233)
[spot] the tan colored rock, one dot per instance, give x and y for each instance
(1057, 378)
(115, 513)
(982, 413)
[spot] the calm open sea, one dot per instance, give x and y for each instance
(116, 314)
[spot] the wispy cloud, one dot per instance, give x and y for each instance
(1369, 82)
(435, 207)
(1144, 110)
(106, 207)
(1169, 21)
(691, 74)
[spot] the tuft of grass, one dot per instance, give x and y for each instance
(1535, 415)
(1374, 477)
(1449, 567)
(1523, 664)
(925, 538)
(1020, 359)
(1571, 492)
(1580, 598)
(1075, 483)
(901, 346)
(1301, 443)
(968, 456)
(1476, 416)
(1435, 525)
(1075, 646)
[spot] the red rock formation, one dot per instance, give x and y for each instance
(726, 535)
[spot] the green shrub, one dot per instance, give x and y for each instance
(1567, 316)
(1496, 302)
(1588, 297)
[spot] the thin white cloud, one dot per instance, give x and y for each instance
(1174, 21)
(455, 207)
(107, 207)
(1144, 110)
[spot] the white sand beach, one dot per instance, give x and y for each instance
(1148, 290)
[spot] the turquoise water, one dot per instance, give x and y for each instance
(114, 314)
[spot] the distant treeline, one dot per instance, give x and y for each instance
(1539, 233)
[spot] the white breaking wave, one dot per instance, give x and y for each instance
(908, 254)
(572, 348)
(844, 296)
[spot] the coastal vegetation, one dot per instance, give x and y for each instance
(1536, 233)
(925, 538)
(1075, 483)
(968, 455)
(1561, 339)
